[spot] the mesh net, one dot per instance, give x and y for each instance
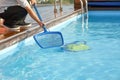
(49, 40)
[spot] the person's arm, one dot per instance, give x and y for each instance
(33, 15)
(26, 5)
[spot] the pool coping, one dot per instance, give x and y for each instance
(35, 29)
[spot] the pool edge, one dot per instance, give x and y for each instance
(31, 31)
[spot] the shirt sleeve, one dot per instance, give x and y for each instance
(23, 3)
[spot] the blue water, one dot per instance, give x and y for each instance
(100, 62)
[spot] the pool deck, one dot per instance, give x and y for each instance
(50, 19)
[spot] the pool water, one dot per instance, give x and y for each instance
(101, 62)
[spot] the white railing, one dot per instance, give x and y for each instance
(82, 13)
(86, 18)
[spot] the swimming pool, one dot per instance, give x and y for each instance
(102, 62)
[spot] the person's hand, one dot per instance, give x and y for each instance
(3, 28)
(41, 24)
(33, 2)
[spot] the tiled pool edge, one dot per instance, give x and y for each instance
(30, 32)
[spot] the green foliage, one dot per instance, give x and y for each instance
(68, 1)
(51, 1)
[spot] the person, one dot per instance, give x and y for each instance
(13, 14)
